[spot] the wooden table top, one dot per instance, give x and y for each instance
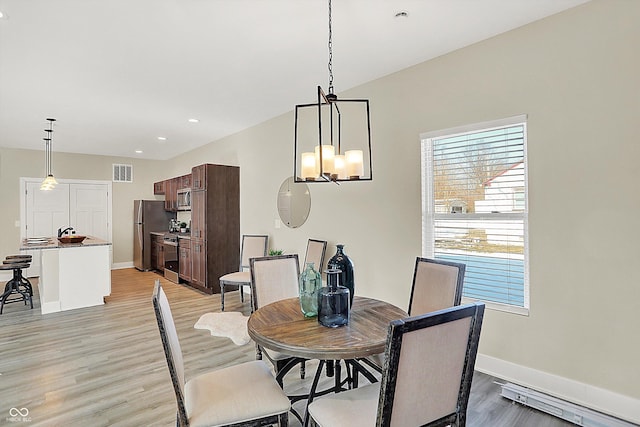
(281, 326)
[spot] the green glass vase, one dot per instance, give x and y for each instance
(310, 283)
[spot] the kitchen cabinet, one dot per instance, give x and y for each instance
(198, 214)
(171, 195)
(184, 259)
(199, 177)
(184, 182)
(157, 252)
(215, 225)
(158, 188)
(198, 265)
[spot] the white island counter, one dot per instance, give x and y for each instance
(73, 275)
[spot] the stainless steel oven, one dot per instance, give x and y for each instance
(171, 257)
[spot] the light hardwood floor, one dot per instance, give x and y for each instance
(104, 366)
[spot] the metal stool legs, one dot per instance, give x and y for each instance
(15, 285)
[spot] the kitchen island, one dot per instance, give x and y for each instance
(72, 275)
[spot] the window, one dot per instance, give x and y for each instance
(474, 187)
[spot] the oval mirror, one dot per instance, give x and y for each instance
(294, 202)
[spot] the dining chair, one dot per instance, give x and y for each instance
(426, 378)
(315, 254)
(437, 284)
(252, 246)
(274, 278)
(219, 398)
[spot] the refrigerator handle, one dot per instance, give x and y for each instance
(139, 217)
(139, 228)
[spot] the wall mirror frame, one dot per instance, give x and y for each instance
(294, 202)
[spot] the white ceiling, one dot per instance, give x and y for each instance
(117, 74)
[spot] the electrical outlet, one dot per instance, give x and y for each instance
(577, 419)
(16, 224)
(277, 223)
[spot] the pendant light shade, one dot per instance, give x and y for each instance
(332, 137)
(49, 182)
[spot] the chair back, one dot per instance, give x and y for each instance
(171, 345)
(437, 285)
(315, 254)
(252, 246)
(429, 366)
(273, 278)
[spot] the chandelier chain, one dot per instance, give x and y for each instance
(330, 45)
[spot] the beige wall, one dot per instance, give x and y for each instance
(576, 77)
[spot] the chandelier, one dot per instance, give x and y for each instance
(49, 182)
(332, 140)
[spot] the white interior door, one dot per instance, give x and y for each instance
(46, 211)
(88, 212)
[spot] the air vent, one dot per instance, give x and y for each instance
(122, 173)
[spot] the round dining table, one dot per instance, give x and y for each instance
(282, 327)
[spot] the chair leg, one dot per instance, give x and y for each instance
(303, 370)
(283, 420)
(241, 293)
(221, 296)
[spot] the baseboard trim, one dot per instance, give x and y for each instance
(121, 265)
(598, 399)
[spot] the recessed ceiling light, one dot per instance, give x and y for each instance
(139, 151)
(1, 15)
(194, 121)
(402, 14)
(162, 138)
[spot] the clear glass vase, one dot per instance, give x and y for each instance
(310, 282)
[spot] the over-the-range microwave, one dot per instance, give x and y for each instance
(184, 199)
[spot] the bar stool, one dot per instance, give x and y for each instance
(16, 259)
(14, 285)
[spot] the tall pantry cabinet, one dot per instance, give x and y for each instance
(215, 224)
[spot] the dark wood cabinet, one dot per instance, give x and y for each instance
(198, 264)
(199, 177)
(215, 225)
(184, 259)
(171, 194)
(157, 252)
(184, 182)
(198, 214)
(158, 188)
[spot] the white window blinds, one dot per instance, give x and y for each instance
(475, 209)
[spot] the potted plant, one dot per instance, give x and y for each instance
(273, 252)
(183, 227)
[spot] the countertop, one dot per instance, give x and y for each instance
(53, 243)
(186, 235)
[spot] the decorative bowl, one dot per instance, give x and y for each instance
(71, 239)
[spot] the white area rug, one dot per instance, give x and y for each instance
(229, 324)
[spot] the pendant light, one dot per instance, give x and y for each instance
(49, 182)
(332, 137)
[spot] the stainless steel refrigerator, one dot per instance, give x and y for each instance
(148, 216)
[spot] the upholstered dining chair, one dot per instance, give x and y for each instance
(426, 379)
(437, 284)
(252, 246)
(274, 278)
(315, 254)
(219, 398)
